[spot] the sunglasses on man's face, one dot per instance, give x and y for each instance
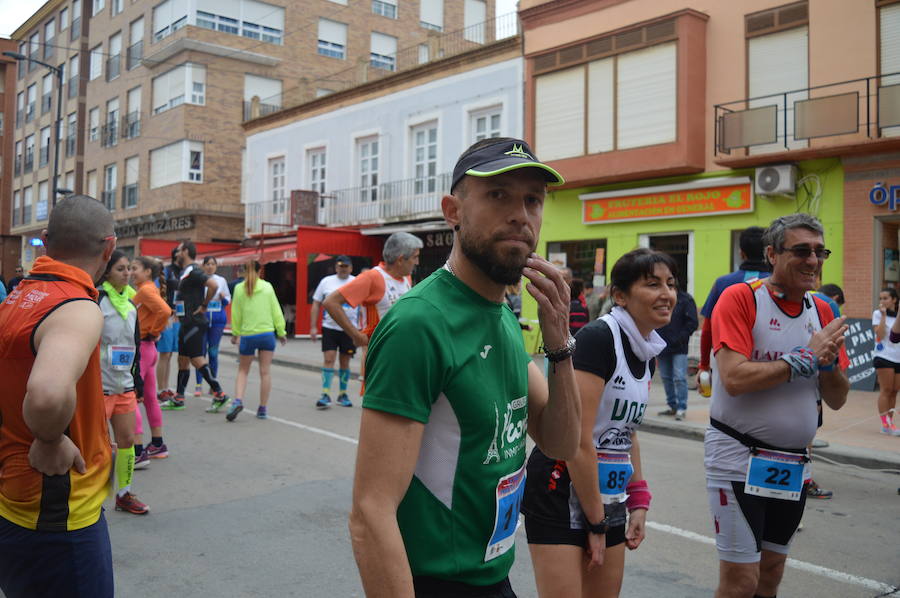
(804, 251)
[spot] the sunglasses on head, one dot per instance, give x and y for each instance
(804, 251)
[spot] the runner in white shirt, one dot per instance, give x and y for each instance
(334, 339)
(886, 359)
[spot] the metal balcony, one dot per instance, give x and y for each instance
(44, 156)
(395, 201)
(109, 134)
(29, 162)
(113, 66)
(70, 144)
(255, 110)
(109, 199)
(836, 114)
(130, 196)
(135, 54)
(131, 125)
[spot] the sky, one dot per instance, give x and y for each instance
(15, 12)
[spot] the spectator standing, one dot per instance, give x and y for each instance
(168, 340)
(11, 284)
(673, 359)
(886, 359)
(578, 311)
(336, 344)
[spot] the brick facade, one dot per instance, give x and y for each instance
(216, 202)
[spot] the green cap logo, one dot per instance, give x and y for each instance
(518, 152)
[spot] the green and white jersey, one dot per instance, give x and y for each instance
(445, 356)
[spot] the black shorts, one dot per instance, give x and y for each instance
(192, 339)
(553, 515)
(337, 340)
(881, 362)
(432, 587)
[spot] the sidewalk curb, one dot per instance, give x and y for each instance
(843, 454)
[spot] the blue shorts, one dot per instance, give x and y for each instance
(168, 340)
(74, 564)
(257, 342)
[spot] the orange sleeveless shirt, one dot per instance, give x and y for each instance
(27, 497)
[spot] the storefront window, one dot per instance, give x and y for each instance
(586, 259)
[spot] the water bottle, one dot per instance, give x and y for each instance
(705, 383)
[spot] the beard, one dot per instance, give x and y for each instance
(504, 269)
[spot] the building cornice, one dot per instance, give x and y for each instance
(186, 44)
(385, 83)
(34, 20)
(555, 11)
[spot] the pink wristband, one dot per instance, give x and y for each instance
(638, 495)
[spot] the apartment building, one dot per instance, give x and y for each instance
(379, 156)
(157, 91)
(679, 124)
(9, 245)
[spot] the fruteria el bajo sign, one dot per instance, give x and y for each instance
(704, 197)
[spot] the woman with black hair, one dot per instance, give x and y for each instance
(886, 359)
(120, 372)
(581, 514)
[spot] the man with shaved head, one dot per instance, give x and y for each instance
(54, 444)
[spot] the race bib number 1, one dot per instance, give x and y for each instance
(510, 490)
(613, 472)
(775, 474)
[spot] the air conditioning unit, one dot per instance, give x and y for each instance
(778, 179)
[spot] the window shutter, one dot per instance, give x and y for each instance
(136, 32)
(332, 31)
(559, 110)
(268, 90)
(132, 166)
(386, 45)
(134, 100)
(779, 63)
(176, 82)
(115, 44)
(432, 12)
(600, 108)
(647, 97)
(264, 14)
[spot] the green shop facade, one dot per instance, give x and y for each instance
(696, 219)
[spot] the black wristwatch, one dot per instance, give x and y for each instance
(597, 528)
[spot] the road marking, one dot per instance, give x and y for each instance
(849, 578)
(288, 422)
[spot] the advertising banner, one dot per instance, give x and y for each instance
(683, 203)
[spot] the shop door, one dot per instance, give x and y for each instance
(681, 247)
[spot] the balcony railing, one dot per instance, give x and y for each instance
(135, 54)
(113, 66)
(257, 109)
(408, 199)
(437, 46)
(131, 125)
(109, 134)
(75, 29)
(44, 156)
(29, 162)
(46, 102)
(29, 112)
(49, 48)
(70, 144)
(841, 113)
(109, 199)
(73, 86)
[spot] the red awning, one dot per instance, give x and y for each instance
(283, 252)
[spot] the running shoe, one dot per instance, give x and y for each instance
(679, 415)
(157, 452)
(198, 390)
(262, 413)
(324, 402)
(343, 400)
(220, 399)
(669, 411)
(142, 461)
(890, 431)
(165, 395)
(173, 404)
(129, 502)
(236, 407)
(813, 491)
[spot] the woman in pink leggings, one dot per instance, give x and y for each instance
(153, 316)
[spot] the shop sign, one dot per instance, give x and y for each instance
(441, 239)
(859, 340)
(881, 195)
(667, 202)
(160, 225)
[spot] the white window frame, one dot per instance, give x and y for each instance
(487, 114)
(317, 165)
(277, 184)
(94, 123)
(96, 60)
(424, 145)
(195, 160)
(385, 8)
(368, 151)
(194, 87)
(64, 18)
(97, 6)
(332, 48)
(382, 60)
(116, 6)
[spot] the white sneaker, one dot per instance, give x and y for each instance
(679, 415)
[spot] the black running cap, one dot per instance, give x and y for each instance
(343, 259)
(501, 157)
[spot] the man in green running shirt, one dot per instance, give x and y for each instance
(451, 392)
